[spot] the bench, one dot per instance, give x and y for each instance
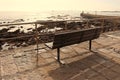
(73, 37)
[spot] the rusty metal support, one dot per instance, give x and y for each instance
(102, 25)
(114, 25)
(37, 42)
(87, 24)
(66, 25)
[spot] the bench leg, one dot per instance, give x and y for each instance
(90, 44)
(58, 55)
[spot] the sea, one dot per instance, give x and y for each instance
(32, 16)
(29, 16)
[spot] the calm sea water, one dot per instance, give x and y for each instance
(32, 16)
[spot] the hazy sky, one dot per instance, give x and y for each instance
(44, 5)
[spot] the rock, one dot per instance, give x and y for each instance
(11, 27)
(5, 46)
(31, 41)
(24, 44)
(18, 20)
(21, 26)
(4, 30)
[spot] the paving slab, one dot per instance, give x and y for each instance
(102, 63)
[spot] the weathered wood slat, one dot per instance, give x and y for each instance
(74, 37)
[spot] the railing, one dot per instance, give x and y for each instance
(114, 20)
(36, 34)
(65, 21)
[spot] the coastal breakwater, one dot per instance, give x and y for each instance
(110, 22)
(91, 16)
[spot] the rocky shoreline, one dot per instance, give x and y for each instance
(46, 31)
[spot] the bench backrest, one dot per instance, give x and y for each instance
(74, 37)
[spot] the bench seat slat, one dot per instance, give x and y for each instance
(74, 37)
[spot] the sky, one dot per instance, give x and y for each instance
(46, 5)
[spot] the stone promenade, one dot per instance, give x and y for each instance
(102, 63)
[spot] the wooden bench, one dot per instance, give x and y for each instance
(73, 37)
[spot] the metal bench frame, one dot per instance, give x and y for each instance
(77, 34)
